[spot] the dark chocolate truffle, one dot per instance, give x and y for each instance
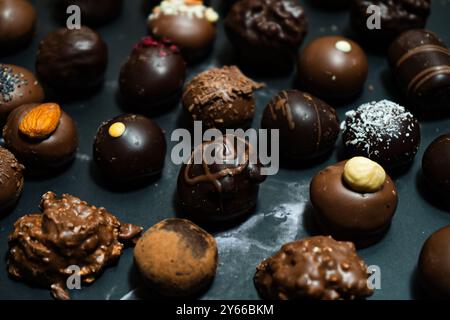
(319, 268)
(354, 201)
(17, 24)
(395, 17)
(130, 149)
(42, 137)
(93, 12)
(333, 68)
(18, 86)
(222, 190)
(188, 23)
(153, 76)
(421, 63)
(221, 98)
(266, 33)
(176, 258)
(382, 131)
(68, 232)
(72, 60)
(434, 265)
(308, 126)
(11, 180)
(435, 164)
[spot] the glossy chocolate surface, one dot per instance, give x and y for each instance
(435, 162)
(11, 180)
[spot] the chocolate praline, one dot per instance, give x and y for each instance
(188, 23)
(346, 214)
(18, 86)
(318, 268)
(41, 155)
(421, 64)
(44, 247)
(230, 107)
(221, 191)
(435, 162)
(434, 265)
(395, 17)
(17, 24)
(73, 61)
(266, 33)
(153, 76)
(382, 131)
(11, 180)
(130, 149)
(308, 127)
(332, 68)
(93, 13)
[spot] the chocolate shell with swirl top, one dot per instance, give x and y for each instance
(224, 187)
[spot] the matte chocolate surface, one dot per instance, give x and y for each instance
(11, 180)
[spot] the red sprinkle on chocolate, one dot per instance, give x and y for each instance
(165, 45)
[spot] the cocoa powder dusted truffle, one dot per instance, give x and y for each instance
(176, 258)
(67, 232)
(221, 98)
(384, 132)
(152, 78)
(188, 23)
(319, 268)
(11, 180)
(18, 86)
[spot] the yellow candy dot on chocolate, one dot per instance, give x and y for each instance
(117, 129)
(364, 175)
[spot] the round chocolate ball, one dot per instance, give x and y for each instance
(93, 13)
(230, 107)
(72, 60)
(382, 131)
(318, 268)
(308, 126)
(176, 258)
(153, 75)
(435, 162)
(266, 33)
(223, 190)
(188, 23)
(11, 180)
(332, 68)
(17, 24)
(130, 149)
(395, 17)
(434, 265)
(354, 202)
(42, 137)
(18, 86)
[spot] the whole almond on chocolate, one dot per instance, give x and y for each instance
(41, 121)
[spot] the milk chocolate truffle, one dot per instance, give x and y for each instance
(434, 265)
(318, 268)
(42, 136)
(421, 63)
(435, 162)
(72, 60)
(221, 98)
(266, 33)
(382, 131)
(93, 13)
(395, 17)
(176, 258)
(68, 232)
(333, 68)
(153, 76)
(11, 180)
(188, 23)
(308, 126)
(17, 24)
(130, 149)
(223, 188)
(354, 200)
(18, 86)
